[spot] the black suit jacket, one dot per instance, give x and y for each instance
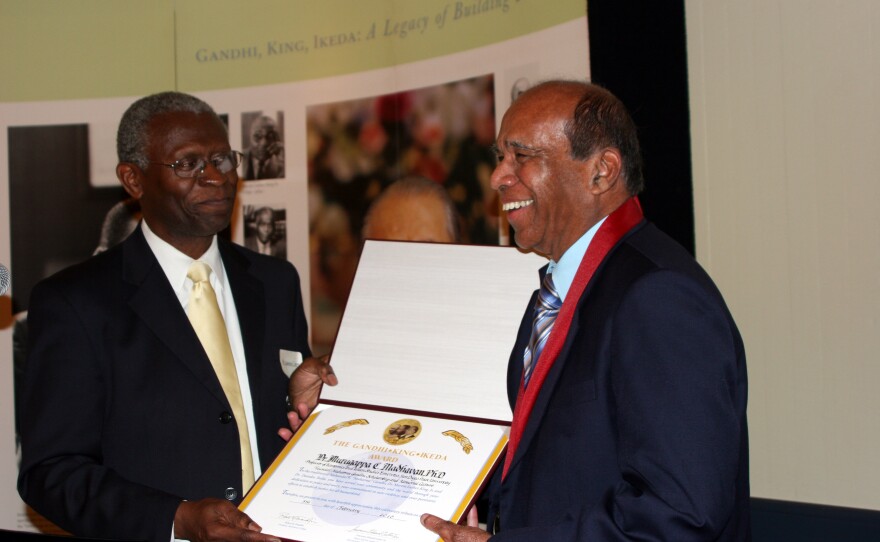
(123, 413)
(639, 432)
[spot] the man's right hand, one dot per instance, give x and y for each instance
(450, 532)
(214, 520)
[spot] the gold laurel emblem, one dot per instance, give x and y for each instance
(349, 423)
(461, 439)
(402, 431)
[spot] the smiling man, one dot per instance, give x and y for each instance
(154, 391)
(627, 378)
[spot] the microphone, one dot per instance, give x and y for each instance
(4, 279)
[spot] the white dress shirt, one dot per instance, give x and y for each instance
(175, 265)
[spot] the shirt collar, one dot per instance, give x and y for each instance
(175, 263)
(565, 269)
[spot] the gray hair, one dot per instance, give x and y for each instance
(132, 137)
(600, 119)
(419, 186)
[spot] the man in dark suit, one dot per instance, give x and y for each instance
(630, 415)
(127, 430)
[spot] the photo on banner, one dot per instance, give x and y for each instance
(442, 134)
(262, 143)
(265, 230)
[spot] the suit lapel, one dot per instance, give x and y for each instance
(153, 300)
(543, 399)
(546, 392)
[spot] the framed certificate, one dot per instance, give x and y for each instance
(366, 474)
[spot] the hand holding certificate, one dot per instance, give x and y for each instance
(367, 474)
(364, 475)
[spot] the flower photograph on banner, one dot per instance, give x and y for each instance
(397, 166)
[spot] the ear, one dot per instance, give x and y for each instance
(130, 175)
(606, 169)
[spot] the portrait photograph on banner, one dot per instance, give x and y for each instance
(262, 143)
(265, 230)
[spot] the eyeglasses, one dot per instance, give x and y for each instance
(190, 166)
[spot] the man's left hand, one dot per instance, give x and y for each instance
(450, 532)
(304, 390)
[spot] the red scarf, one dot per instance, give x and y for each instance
(618, 223)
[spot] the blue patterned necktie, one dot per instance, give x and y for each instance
(546, 308)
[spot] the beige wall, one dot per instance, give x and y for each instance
(785, 124)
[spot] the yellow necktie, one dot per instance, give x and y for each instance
(207, 321)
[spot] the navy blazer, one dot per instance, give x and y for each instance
(123, 415)
(639, 432)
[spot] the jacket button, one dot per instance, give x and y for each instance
(231, 494)
(225, 417)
